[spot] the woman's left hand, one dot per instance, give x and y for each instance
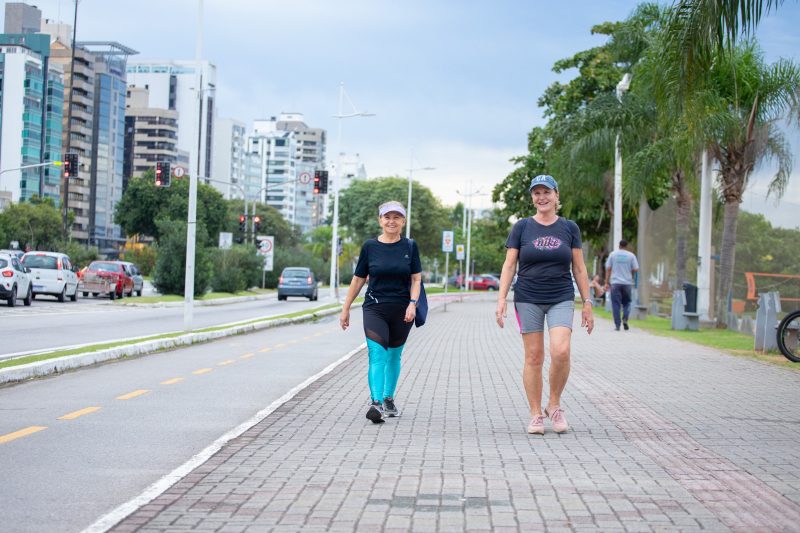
(587, 318)
(411, 312)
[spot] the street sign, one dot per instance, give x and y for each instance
(178, 172)
(459, 252)
(305, 178)
(225, 240)
(266, 248)
(447, 241)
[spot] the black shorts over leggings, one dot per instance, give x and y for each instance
(385, 324)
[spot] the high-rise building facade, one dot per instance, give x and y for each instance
(151, 135)
(31, 100)
(173, 85)
(22, 18)
(230, 158)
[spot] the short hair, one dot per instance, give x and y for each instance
(623, 243)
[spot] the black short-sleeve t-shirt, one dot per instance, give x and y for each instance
(545, 260)
(389, 267)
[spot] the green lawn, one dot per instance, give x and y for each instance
(178, 298)
(731, 342)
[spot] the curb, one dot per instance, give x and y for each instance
(200, 303)
(70, 362)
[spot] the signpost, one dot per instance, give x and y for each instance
(266, 248)
(460, 258)
(225, 240)
(447, 248)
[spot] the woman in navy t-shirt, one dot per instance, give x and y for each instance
(548, 250)
(392, 264)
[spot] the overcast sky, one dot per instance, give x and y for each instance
(455, 82)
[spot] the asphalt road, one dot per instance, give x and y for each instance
(112, 430)
(49, 324)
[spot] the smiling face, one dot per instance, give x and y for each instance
(544, 199)
(392, 223)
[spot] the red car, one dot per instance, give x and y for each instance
(480, 283)
(107, 277)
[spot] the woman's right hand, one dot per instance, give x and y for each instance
(344, 318)
(500, 313)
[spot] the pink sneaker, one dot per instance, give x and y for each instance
(536, 427)
(559, 421)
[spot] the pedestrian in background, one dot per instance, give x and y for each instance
(620, 267)
(392, 264)
(547, 250)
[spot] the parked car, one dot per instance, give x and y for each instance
(14, 280)
(108, 278)
(297, 281)
(136, 276)
(52, 273)
(16, 253)
(480, 283)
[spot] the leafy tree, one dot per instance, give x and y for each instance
(144, 257)
(36, 225)
(170, 269)
(143, 204)
(272, 223)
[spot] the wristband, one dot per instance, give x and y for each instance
(588, 301)
(413, 301)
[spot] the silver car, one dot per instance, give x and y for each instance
(52, 273)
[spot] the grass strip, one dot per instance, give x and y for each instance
(731, 342)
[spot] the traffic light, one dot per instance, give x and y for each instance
(71, 165)
(323, 183)
(242, 223)
(256, 223)
(317, 181)
(163, 174)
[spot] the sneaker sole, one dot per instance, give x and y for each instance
(375, 416)
(536, 431)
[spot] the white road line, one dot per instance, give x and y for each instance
(111, 519)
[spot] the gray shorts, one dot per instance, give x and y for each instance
(530, 317)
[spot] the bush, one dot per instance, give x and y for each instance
(144, 257)
(170, 269)
(236, 269)
(78, 254)
(294, 257)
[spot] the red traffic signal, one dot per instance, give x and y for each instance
(71, 165)
(317, 181)
(256, 223)
(242, 223)
(163, 176)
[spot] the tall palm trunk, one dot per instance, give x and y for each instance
(727, 260)
(683, 201)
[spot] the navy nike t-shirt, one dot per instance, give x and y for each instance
(389, 267)
(545, 260)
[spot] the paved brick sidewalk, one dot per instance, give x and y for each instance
(666, 436)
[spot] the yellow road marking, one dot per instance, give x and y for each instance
(75, 414)
(307, 338)
(172, 381)
(133, 394)
(264, 350)
(202, 371)
(226, 362)
(281, 345)
(319, 334)
(247, 356)
(21, 433)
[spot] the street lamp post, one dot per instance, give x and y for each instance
(411, 170)
(468, 225)
(334, 277)
(622, 86)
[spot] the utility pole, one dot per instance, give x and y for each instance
(68, 147)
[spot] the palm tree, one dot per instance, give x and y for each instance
(743, 104)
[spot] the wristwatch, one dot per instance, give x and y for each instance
(413, 301)
(588, 301)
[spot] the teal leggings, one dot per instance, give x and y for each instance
(384, 370)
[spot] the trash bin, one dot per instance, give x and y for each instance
(691, 297)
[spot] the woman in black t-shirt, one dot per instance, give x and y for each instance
(392, 264)
(548, 250)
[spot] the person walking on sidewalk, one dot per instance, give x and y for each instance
(545, 247)
(392, 264)
(620, 266)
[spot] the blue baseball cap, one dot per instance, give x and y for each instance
(543, 179)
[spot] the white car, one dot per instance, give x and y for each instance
(14, 280)
(52, 273)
